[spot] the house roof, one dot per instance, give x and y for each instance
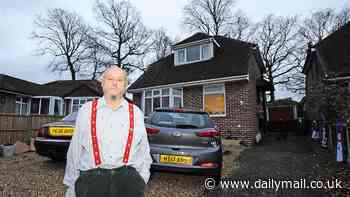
(334, 52)
(63, 88)
(20, 86)
(230, 59)
(60, 88)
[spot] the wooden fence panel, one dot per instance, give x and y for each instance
(15, 127)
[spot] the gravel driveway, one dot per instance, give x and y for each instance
(29, 174)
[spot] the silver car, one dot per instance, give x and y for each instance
(184, 141)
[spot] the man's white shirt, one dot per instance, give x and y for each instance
(112, 128)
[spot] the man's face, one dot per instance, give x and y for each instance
(114, 82)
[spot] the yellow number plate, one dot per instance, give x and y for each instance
(175, 159)
(61, 131)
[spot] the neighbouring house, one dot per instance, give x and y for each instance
(22, 97)
(219, 75)
(327, 73)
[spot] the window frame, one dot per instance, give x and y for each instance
(223, 91)
(161, 96)
(22, 105)
(86, 99)
(201, 58)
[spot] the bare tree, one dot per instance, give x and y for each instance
(97, 60)
(318, 26)
(240, 27)
(62, 34)
(162, 44)
(208, 16)
(276, 38)
(312, 30)
(123, 35)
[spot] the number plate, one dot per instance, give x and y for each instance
(175, 159)
(61, 131)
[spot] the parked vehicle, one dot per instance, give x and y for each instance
(53, 138)
(180, 141)
(184, 141)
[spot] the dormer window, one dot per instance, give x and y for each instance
(193, 53)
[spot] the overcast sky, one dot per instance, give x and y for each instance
(17, 50)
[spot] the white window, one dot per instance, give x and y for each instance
(205, 51)
(163, 98)
(214, 99)
(193, 54)
(180, 56)
(22, 105)
(79, 101)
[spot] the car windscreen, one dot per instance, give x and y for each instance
(71, 117)
(180, 120)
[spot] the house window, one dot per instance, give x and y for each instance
(45, 106)
(78, 102)
(22, 105)
(205, 51)
(214, 99)
(194, 54)
(162, 98)
(57, 107)
(34, 106)
(181, 56)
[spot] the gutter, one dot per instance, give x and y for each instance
(193, 83)
(338, 78)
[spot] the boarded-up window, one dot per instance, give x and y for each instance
(214, 99)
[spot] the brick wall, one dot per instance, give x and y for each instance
(240, 121)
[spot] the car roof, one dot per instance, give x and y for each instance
(180, 110)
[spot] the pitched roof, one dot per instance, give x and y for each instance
(13, 84)
(230, 59)
(56, 88)
(65, 87)
(335, 51)
(194, 37)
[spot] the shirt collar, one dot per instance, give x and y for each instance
(102, 103)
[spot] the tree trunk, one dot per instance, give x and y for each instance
(71, 68)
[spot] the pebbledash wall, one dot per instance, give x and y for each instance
(240, 121)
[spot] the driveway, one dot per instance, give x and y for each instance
(32, 175)
(296, 158)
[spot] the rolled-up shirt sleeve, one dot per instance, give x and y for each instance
(143, 154)
(73, 157)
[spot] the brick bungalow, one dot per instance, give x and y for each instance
(22, 97)
(219, 75)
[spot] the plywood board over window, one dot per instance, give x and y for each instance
(214, 99)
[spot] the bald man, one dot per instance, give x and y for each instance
(109, 152)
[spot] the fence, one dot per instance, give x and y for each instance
(15, 127)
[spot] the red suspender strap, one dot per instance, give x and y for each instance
(95, 148)
(131, 133)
